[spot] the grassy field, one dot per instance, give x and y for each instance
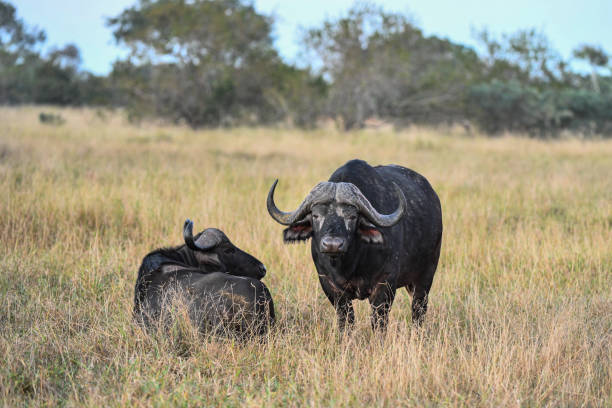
(520, 310)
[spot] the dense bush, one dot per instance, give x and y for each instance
(499, 106)
(591, 112)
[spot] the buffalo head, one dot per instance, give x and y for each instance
(211, 247)
(334, 215)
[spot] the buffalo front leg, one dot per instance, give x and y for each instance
(381, 300)
(345, 313)
(342, 304)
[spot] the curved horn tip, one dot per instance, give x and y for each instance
(188, 235)
(188, 227)
(400, 195)
(403, 204)
(388, 220)
(272, 189)
(276, 214)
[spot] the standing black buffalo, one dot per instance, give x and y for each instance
(219, 283)
(360, 253)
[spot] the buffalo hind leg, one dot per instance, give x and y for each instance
(420, 289)
(381, 301)
(419, 306)
(419, 302)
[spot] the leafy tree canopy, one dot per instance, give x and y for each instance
(204, 62)
(227, 32)
(14, 34)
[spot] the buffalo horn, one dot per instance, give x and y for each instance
(205, 241)
(378, 219)
(284, 218)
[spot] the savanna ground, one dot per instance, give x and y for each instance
(520, 310)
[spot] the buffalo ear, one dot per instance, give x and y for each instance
(369, 233)
(298, 231)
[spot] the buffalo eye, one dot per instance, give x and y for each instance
(315, 216)
(229, 250)
(352, 217)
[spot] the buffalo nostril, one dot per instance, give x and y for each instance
(332, 244)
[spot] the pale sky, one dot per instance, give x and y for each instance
(567, 23)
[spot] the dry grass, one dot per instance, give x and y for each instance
(521, 307)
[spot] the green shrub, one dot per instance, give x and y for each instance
(510, 106)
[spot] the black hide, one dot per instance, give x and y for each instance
(357, 260)
(219, 286)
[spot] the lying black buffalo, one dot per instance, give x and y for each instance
(217, 282)
(360, 253)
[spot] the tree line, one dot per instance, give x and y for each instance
(211, 63)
